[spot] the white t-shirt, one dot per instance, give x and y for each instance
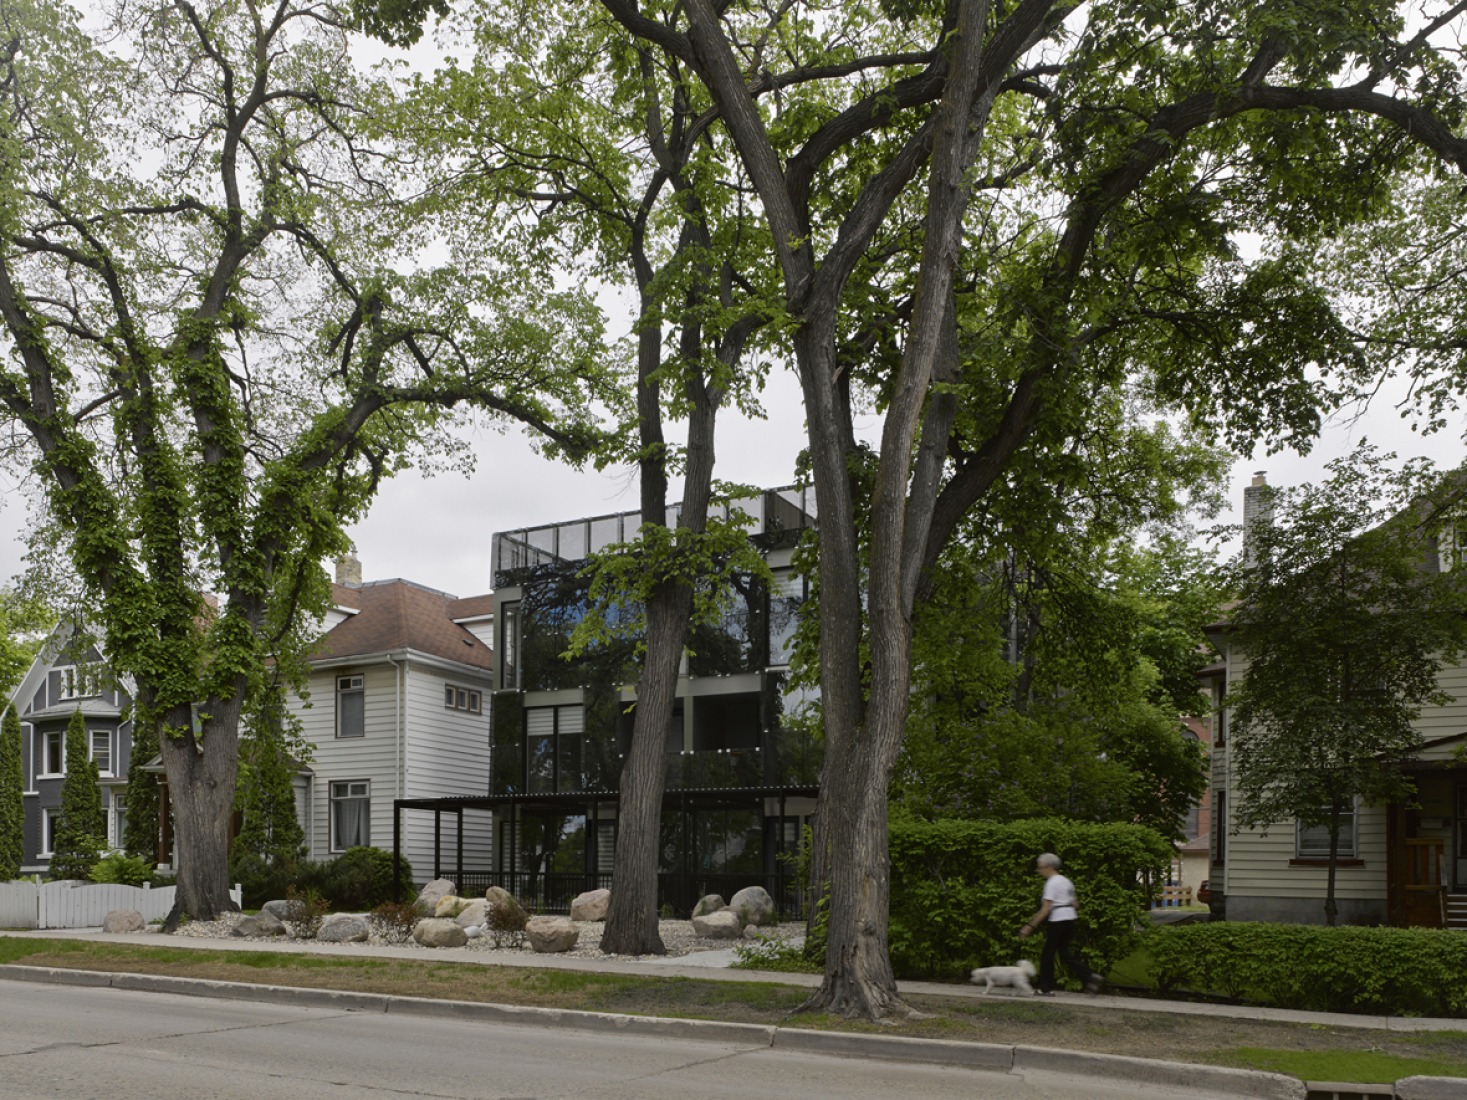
(1060, 893)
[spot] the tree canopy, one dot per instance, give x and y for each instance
(221, 334)
(1350, 601)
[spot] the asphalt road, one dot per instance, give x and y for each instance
(78, 1043)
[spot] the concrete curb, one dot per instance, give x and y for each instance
(988, 1056)
(1182, 1075)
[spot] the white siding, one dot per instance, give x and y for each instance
(372, 757)
(447, 754)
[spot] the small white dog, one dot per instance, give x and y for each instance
(1017, 976)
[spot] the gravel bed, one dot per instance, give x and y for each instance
(677, 937)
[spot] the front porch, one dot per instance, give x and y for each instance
(1426, 852)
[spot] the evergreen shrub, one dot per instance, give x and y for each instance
(1395, 971)
(961, 889)
(12, 804)
(81, 826)
(361, 878)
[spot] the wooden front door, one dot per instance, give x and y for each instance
(1459, 839)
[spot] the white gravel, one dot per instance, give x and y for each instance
(677, 937)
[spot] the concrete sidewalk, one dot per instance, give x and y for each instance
(717, 970)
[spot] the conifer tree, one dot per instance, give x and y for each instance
(12, 806)
(81, 830)
(140, 834)
(269, 831)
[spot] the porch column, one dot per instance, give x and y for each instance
(437, 842)
(459, 881)
(396, 851)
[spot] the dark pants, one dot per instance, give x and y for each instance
(1059, 937)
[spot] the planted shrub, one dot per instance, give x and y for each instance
(961, 889)
(122, 869)
(393, 921)
(505, 924)
(1396, 971)
(361, 878)
(304, 911)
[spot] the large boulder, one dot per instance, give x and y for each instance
(753, 905)
(722, 925)
(123, 920)
(473, 914)
(343, 928)
(429, 896)
(591, 905)
(548, 935)
(439, 932)
(708, 903)
(280, 910)
(449, 906)
(261, 924)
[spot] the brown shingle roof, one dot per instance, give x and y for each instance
(471, 607)
(399, 614)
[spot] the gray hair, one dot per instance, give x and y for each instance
(1049, 859)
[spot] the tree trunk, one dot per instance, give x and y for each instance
(201, 771)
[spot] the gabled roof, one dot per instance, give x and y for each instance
(396, 615)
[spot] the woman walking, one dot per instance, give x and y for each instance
(1058, 912)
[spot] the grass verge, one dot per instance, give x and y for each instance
(1309, 1051)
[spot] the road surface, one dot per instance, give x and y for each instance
(62, 1041)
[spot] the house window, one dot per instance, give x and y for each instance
(351, 707)
(1312, 841)
(53, 753)
(465, 699)
(48, 832)
(350, 810)
(102, 750)
(80, 681)
(117, 819)
(1219, 826)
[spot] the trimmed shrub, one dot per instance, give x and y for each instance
(1396, 971)
(394, 921)
(961, 889)
(304, 911)
(361, 878)
(12, 804)
(81, 828)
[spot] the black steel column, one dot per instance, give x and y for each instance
(396, 852)
(459, 881)
(437, 840)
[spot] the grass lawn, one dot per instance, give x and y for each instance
(1310, 1051)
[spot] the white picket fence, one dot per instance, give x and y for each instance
(81, 904)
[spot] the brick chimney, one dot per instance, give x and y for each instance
(1257, 508)
(349, 571)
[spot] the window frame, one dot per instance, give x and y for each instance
(76, 684)
(1349, 839)
(45, 754)
(464, 699)
(355, 684)
(92, 750)
(332, 799)
(49, 816)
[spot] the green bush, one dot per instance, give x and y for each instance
(1396, 971)
(358, 880)
(126, 870)
(961, 889)
(361, 878)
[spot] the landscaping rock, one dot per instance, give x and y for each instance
(473, 914)
(429, 896)
(439, 932)
(123, 920)
(343, 928)
(261, 924)
(709, 903)
(752, 933)
(498, 898)
(722, 925)
(548, 935)
(591, 905)
(473, 931)
(753, 905)
(280, 910)
(450, 906)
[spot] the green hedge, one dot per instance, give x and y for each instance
(1396, 971)
(961, 889)
(357, 880)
